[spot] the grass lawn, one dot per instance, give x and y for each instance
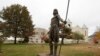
(33, 50)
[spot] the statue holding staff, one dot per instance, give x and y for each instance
(54, 32)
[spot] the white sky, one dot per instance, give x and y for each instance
(80, 11)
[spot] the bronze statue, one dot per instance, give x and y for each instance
(54, 32)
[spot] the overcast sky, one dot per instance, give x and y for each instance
(80, 11)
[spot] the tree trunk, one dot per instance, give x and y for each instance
(26, 40)
(77, 41)
(0, 46)
(15, 40)
(62, 41)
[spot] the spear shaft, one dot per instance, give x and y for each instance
(65, 20)
(67, 10)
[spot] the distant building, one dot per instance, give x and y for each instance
(37, 37)
(83, 30)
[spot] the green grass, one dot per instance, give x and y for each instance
(33, 50)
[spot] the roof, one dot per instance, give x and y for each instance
(84, 26)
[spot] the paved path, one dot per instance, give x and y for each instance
(44, 54)
(1, 54)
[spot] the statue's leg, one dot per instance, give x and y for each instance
(55, 48)
(50, 42)
(56, 39)
(51, 47)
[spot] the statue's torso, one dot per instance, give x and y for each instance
(54, 21)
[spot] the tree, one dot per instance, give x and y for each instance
(97, 35)
(18, 21)
(78, 36)
(2, 27)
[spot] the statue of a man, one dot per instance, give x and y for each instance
(54, 32)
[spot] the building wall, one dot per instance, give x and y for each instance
(83, 30)
(37, 37)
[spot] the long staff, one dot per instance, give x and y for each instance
(64, 26)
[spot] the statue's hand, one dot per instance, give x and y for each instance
(65, 22)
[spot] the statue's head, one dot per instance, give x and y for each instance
(55, 11)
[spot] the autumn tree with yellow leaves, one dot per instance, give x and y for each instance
(97, 35)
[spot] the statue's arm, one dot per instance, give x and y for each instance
(58, 16)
